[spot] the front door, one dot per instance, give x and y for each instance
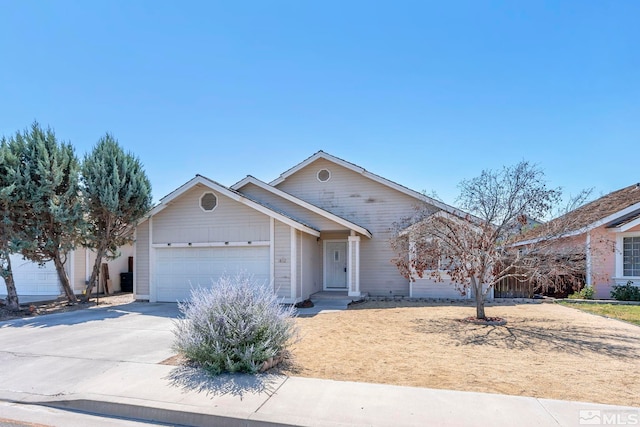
(335, 265)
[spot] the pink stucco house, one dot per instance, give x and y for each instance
(609, 230)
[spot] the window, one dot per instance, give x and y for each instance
(631, 256)
(324, 175)
(208, 202)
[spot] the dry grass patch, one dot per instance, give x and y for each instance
(545, 350)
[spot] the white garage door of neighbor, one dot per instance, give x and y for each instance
(31, 279)
(178, 270)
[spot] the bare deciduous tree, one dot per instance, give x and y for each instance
(478, 250)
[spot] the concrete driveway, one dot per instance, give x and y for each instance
(54, 354)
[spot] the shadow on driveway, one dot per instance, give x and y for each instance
(95, 314)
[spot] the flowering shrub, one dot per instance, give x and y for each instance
(235, 326)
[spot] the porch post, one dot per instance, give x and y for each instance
(353, 280)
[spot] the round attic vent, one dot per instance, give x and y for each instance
(324, 175)
(208, 202)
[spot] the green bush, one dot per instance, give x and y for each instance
(584, 293)
(627, 292)
(237, 325)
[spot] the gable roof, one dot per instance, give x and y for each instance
(611, 210)
(377, 178)
(468, 219)
(313, 208)
(234, 195)
(619, 209)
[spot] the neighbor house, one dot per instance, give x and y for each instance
(608, 231)
(324, 224)
(42, 281)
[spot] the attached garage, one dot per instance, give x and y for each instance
(203, 230)
(32, 279)
(179, 269)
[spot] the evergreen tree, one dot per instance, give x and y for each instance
(48, 185)
(8, 210)
(117, 193)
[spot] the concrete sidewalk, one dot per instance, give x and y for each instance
(107, 361)
(166, 394)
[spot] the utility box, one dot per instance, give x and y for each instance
(126, 282)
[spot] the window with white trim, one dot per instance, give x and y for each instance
(324, 175)
(631, 256)
(208, 202)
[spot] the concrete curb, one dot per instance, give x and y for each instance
(309, 402)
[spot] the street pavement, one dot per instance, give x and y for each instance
(108, 361)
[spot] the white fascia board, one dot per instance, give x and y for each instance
(302, 203)
(372, 176)
(611, 217)
(628, 226)
(164, 202)
(199, 179)
(304, 163)
(595, 224)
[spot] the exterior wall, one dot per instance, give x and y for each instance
(299, 255)
(293, 210)
(141, 268)
(282, 259)
(80, 275)
(620, 278)
(364, 202)
(428, 287)
(82, 269)
(311, 266)
(185, 222)
(603, 261)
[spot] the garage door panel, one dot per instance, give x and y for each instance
(178, 270)
(32, 279)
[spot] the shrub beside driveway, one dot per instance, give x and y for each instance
(545, 350)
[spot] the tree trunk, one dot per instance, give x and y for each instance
(480, 306)
(94, 273)
(64, 279)
(477, 287)
(12, 293)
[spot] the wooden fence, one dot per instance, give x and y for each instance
(511, 287)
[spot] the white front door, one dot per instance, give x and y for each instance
(335, 265)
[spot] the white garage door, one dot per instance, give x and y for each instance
(31, 279)
(178, 270)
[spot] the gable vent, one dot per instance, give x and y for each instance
(324, 175)
(208, 202)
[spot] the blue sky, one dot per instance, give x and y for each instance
(423, 93)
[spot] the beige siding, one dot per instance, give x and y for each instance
(185, 222)
(299, 255)
(428, 287)
(311, 265)
(82, 270)
(141, 269)
(367, 203)
(79, 274)
(292, 210)
(282, 259)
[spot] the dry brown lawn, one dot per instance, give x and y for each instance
(545, 350)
